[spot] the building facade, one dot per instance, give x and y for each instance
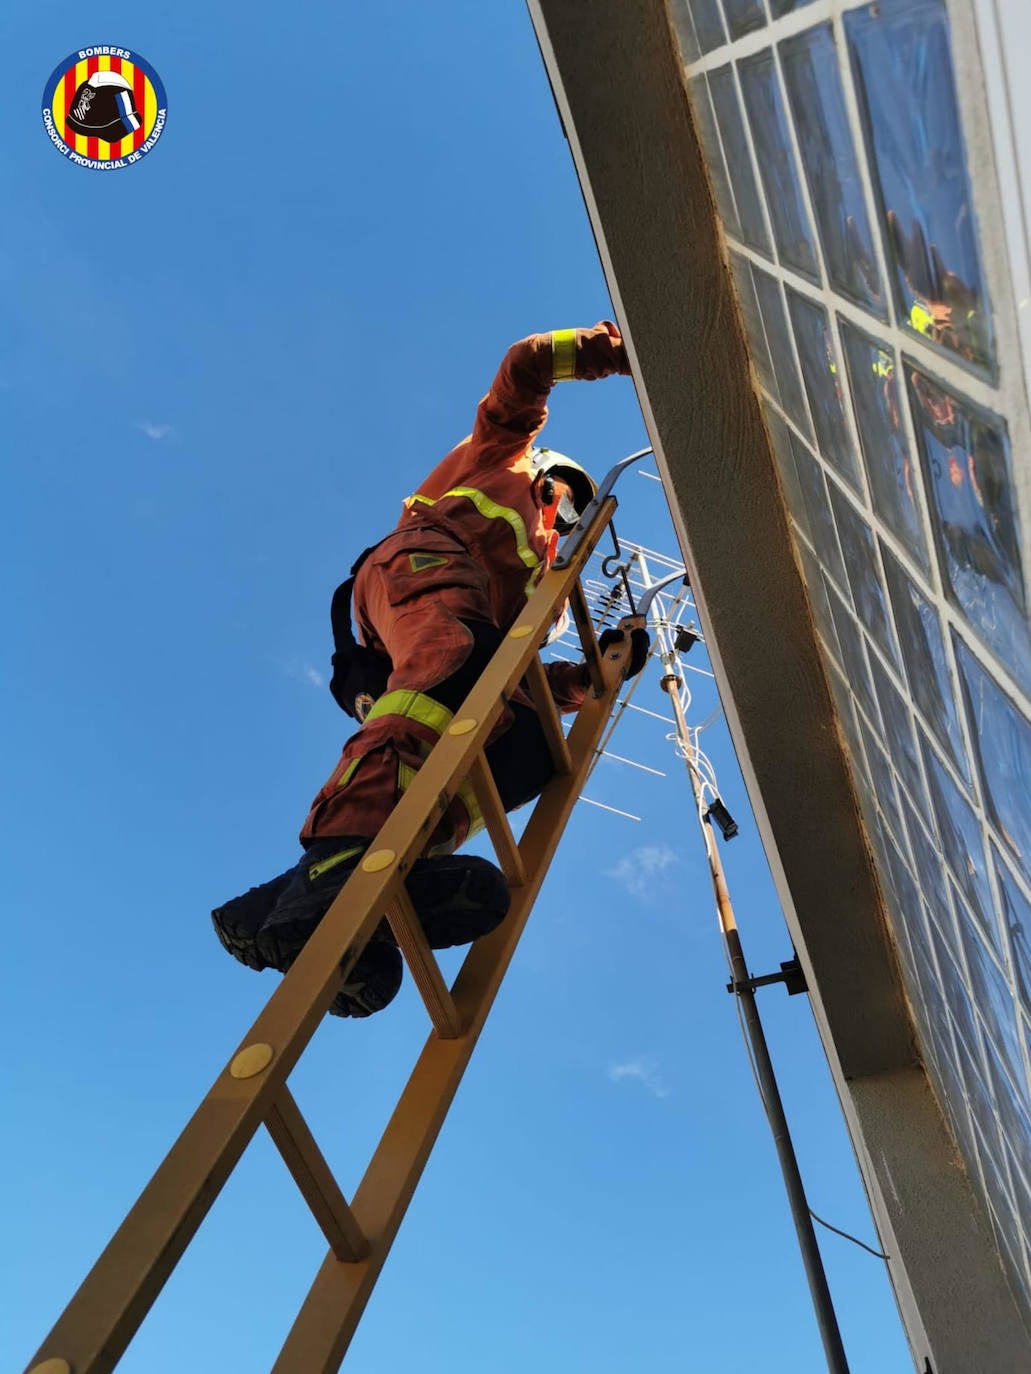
(812, 221)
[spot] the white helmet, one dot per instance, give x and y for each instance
(550, 463)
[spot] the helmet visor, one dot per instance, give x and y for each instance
(566, 516)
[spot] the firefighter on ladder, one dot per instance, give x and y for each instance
(433, 600)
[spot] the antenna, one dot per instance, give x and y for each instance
(664, 599)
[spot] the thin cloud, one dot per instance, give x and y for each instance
(641, 1070)
(640, 872)
(304, 672)
(153, 431)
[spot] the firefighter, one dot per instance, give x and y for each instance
(433, 600)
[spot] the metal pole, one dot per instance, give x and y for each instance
(823, 1304)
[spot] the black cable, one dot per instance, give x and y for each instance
(845, 1235)
(878, 1254)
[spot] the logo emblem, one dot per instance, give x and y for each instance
(363, 704)
(104, 108)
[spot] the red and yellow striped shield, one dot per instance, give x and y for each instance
(148, 101)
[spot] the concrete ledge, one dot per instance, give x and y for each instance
(956, 1306)
(619, 87)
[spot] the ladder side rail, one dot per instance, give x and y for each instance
(337, 1299)
(111, 1303)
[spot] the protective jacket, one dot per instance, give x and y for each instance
(471, 545)
(485, 490)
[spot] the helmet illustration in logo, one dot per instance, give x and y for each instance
(103, 107)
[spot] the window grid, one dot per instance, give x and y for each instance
(984, 1043)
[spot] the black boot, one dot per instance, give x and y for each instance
(239, 920)
(458, 899)
(371, 984)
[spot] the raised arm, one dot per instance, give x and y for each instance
(516, 406)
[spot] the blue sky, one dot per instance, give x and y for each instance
(222, 371)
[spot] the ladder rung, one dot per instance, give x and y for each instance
(423, 966)
(551, 722)
(330, 1313)
(588, 639)
(314, 1178)
(100, 1320)
(505, 847)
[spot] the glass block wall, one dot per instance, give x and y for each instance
(838, 158)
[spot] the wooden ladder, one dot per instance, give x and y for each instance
(99, 1322)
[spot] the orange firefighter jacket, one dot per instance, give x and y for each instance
(486, 491)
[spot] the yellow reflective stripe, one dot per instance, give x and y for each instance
(333, 860)
(348, 773)
(467, 797)
(563, 355)
(490, 510)
(413, 706)
(535, 579)
(921, 319)
(406, 775)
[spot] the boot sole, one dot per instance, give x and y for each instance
(372, 984)
(479, 888)
(237, 922)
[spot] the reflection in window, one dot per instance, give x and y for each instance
(966, 462)
(883, 787)
(779, 7)
(818, 600)
(903, 901)
(1002, 739)
(821, 522)
(853, 658)
(995, 1189)
(743, 16)
(771, 304)
(714, 155)
(757, 346)
(682, 22)
(776, 163)
(708, 24)
(949, 1088)
(739, 159)
(877, 403)
(823, 382)
(857, 546)
(781, 443)
(993, 998)
(1012, 1108)
(898, 732)
(1017, 910)
(956, 996)
(961, 840)
(900, 53)
(930, 870)
(814, 88)
(944, 926)
(923, 653)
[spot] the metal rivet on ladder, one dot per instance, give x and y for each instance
(54, 1366)
(520, 631)
(251, 1060)
(462, 727)
(378, 860)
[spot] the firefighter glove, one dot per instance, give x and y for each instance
(639, 645)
